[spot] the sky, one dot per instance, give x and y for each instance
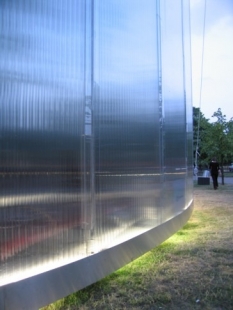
(217, 77)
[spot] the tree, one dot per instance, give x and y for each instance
(200, 125)
(230, 137)
(217, 140)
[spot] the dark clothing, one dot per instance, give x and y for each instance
(214, 168)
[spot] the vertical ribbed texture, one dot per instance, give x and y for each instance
(42, 98)
(175, 153)
(93, 142)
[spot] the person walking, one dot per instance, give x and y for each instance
(214, 169)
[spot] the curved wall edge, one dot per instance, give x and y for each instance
(42, 289)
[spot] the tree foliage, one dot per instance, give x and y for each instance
(215, 139)
(200, 125)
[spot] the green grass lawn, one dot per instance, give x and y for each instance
(191, 270)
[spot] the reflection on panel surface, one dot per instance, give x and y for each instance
(95, 128)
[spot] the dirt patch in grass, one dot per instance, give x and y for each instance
(191, 270)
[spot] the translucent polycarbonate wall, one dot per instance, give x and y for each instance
(43, 72)
(126, 119)
(176, 90)
(95, 128)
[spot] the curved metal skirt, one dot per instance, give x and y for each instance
(55, 284)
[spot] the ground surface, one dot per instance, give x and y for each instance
(191, 270)
(205, 196)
